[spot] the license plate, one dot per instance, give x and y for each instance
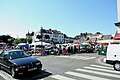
(32, 69)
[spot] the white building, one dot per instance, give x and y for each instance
(117, 35)
(52, 36)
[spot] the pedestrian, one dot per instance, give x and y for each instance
(78, 48)
(60, 49)
(68, 50)
(64, 50)
(75, 49)
(71, 50)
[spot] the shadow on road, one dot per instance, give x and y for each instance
(35, 76)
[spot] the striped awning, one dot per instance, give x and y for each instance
(117, 36)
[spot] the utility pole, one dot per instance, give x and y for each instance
(41, 31)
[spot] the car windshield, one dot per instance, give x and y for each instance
(17, 54)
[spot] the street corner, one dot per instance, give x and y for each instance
(102, 60)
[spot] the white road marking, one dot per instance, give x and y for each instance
(105, 70)
(78, 57)
(99, 73)
(6, 76)
(89, 58)
(101, 66)
(85, 76)
(60, 77)
(3, 75)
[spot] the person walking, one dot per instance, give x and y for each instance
(64, 50)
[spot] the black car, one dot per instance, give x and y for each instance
(18, 62)
(86, 48)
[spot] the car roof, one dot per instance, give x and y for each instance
(13, 50)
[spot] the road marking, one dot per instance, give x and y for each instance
(60, 77)
(99, 73)
(3, 75)
(101, 62)
(101, 66)
(89, 58)
(85, 76)
(6, 76)
(105, 70)
(78, 57)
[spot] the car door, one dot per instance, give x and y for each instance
(4, 62)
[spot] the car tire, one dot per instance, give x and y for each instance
(13, 74)
(117, 66)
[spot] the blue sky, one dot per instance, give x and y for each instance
(71, 17)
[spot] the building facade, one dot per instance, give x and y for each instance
(51, 36)
(117, 35)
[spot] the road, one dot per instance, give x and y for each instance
(82, 66)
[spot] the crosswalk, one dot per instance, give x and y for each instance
(76, 57)
(92, 72)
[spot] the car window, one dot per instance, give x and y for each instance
(17, 54)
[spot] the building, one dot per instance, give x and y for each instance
(117, 35)
(51, 36)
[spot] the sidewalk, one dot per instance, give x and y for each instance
(102, 60)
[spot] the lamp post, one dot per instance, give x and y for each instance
(41, 31)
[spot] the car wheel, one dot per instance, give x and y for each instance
(117, 66)
(13, 72)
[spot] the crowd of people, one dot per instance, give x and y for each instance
(61, 50)
(53, 50)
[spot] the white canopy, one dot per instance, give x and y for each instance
(39, 43)
(22, 43)
(108, 41)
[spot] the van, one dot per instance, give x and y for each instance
(113, 56)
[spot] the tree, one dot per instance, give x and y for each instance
(16, 41)
(11, 41)
(29, 39)
(98, 33)
(71, 41)
(4, 38)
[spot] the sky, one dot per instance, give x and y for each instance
(71, 17)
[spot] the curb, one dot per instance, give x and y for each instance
(102, 60)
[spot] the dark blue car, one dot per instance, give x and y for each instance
(18, 62)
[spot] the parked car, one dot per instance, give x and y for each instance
(86, 48)
(53, 50)
(18, 62)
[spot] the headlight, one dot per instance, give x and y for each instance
(38, 63)
(22, 66)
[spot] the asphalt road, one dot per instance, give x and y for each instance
(82, 66)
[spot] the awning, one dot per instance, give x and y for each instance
(117, 36)
(2, 43)
(108, 41)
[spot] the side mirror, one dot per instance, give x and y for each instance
(5, 58)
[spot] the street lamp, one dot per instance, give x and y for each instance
(41, 31)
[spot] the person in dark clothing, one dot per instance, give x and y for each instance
(71, 49)
(75, 49)
(60, 50)
(68, 50)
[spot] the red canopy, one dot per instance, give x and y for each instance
(117, 36)
(2, 43)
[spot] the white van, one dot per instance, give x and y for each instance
(113, 56)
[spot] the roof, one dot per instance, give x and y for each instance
(2, 43)
(12, 50)
(107, 37)
(117, 36)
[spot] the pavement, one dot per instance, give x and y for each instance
(101, 60)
